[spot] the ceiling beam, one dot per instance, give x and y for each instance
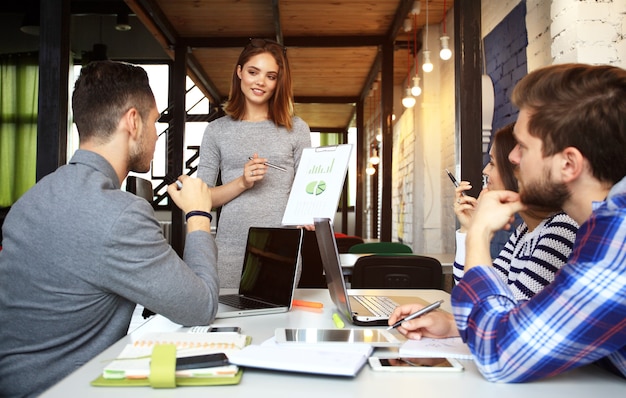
(290, 41)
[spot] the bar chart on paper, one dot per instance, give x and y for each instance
(318, 184)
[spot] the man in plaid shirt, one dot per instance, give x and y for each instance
(571, 153)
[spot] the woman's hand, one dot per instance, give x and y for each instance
(464, 205)
(254, 170)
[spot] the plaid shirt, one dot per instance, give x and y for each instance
(578, 319)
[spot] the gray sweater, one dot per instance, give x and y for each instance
(225, 148)
(78, 254)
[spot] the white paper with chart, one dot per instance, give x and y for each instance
(318, 184)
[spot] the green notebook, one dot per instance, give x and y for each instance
(157, 369)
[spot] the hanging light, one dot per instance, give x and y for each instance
(408, 101)
(370, 170)
(427, 66)
(445, 52)
(374, 159)
(416, 90)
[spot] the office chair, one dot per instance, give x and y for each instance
(312, 275)
(381, 247)
(397, 272)
(140, 187)
(143, 188)
(345, 242)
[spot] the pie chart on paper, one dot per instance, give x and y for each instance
(316, 187)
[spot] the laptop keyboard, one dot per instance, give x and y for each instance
(379, 305)
(241, 302)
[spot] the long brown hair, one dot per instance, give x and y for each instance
(280, 105)
(504, 142)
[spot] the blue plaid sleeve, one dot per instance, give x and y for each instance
(578, 319)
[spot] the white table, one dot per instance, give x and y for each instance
(585, 382)
(348, 260)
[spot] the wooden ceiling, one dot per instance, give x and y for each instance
(333, 46)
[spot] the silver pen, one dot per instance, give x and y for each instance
(414, 315)
(268, 164)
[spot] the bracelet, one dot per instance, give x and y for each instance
(198, 213)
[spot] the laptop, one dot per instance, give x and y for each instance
(361, 310)
(268, 277)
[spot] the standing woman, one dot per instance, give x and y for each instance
(259, 124)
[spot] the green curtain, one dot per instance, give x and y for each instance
(19, 85)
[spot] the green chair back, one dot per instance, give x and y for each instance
(381, 247)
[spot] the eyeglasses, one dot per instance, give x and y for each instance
(261, 43)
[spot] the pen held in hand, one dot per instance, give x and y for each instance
(416, 314)
(268, 164)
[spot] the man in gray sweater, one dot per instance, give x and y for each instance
(79, 253)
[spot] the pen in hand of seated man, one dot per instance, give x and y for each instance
(434, 324)
(194, 198)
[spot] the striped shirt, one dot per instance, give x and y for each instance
(578, 319)
(530, 259)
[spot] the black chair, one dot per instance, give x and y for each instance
(143, 188)
(312, 275)
(344, 243)
(396, 272)
(140, 187)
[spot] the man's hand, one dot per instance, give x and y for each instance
(435, 324)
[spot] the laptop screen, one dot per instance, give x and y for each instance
(269, 268)
(332, 266)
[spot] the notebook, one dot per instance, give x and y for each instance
(268, 276)
(362, 310)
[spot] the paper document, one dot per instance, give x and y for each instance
(318, 184)
(452, 347)
(335, 359)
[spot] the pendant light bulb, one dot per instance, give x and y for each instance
(408, 101)
(445, 52)
(416, 90)
(427, 66)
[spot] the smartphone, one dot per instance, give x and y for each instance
(374, 337)
(224, 329)
(415, 364)
(202, 361)
(215, 329)
(454, 181)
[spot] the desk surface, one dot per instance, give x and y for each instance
(585, 382)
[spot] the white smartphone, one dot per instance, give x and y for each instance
(374, 337)
(415, 364)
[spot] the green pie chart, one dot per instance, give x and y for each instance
(316, 187)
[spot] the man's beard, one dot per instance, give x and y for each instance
(544, 194)
(138, 160)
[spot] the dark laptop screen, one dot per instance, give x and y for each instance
(269, 268)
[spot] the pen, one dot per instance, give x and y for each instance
(268, 164)
(454, 181)
(414, 315)
(338, 321)
(302, 303)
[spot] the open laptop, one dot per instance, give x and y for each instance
(268, 277)
(362, 310)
